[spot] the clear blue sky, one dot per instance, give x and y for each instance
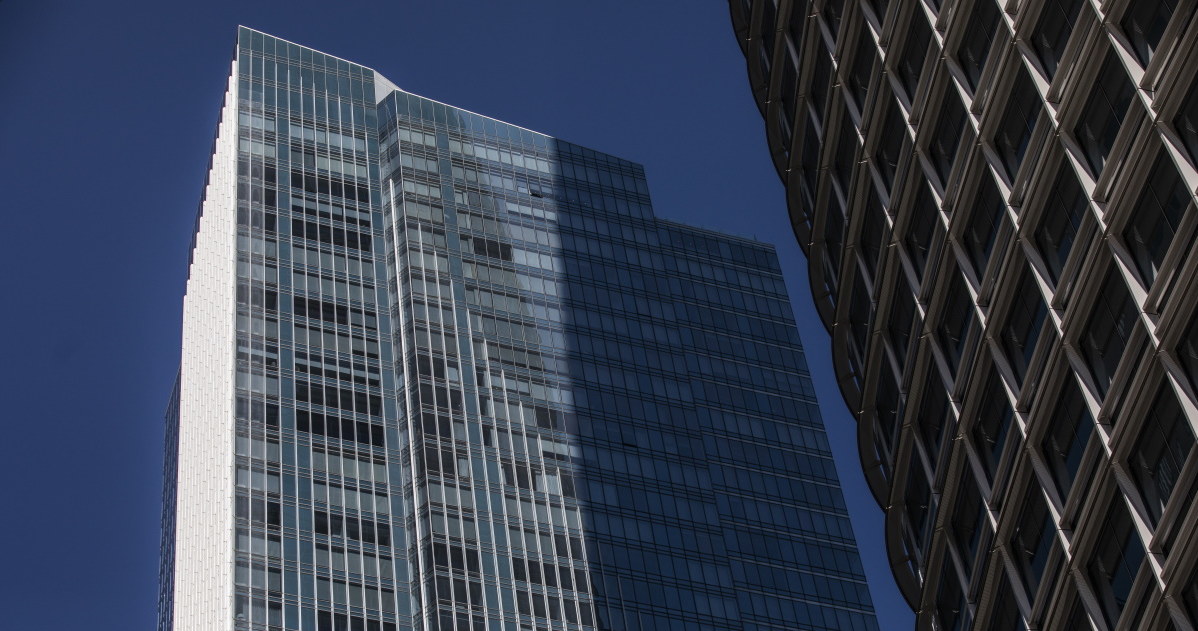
(108, 113)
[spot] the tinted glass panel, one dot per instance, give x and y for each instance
(1064, 209)
(975, 45)
(1144, 24)
(1104, 113)
(1104, 339)
(1160, 452)
(1162, 202)
(1053, 29)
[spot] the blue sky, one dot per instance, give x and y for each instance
(108, 113)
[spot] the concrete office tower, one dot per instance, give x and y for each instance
(997, 204)
(441, 372)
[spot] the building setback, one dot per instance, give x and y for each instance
(443, 372)
(996, 200)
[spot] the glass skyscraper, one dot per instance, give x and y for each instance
(997, 203)
(442, 372)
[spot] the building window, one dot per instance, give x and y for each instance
(934, 416)
(788, 93)
(993, 423)
(863, 65)
(794, 25)
(833, 244)
(1186, 123)
(833, 10)
(982, 230)
(1024, 321)
(1187, 352)
(874, 232)
(946, 137)
(821, 80)
(978, 36)
(1105, 337)
(1189, 595)
(898, 325)
(915, 50)
(950, 601)
(1104, 112)
(1078, 619)
(921, 228)
(1116, 560)
(1032, 540)
(890, 147)
(846, 155)
(1154, 221)
(1052, 31)
(1144, 24)
(1069, 429)
(769, 32)
(861, 313)
(1062, 216)
(810, 167)
(1004, 615)
(1160, 452)
(955, 321)
(1015, 129)
(888, 406)
(966, 523)
(918, 501)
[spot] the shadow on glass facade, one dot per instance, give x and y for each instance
(478, 385)
(997, 204)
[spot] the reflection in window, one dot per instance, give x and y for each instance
(1160, 452)
(993, 423)
(1032, 539)
(1116, 560)
(934, 417)
(874, 232)
(1052, 31)
(1068, 433)
(966, 523)
(982, 230)
(950, 601)
(1015, 129)
(915, 50)
(975, 44)
(1105, 337)
(1153, 224)
(1189, 595)
(1186, 123)
(1005, 616)
(863, 65)
(1024, 321)
(922, 226)
(1187, 352)
(890, 147)
(833, 10)
(1144, 24)
(1063, 213)
(1104, 112)
(898, 325)
(820, 82)
(846, 155)
(918, 502)
(950, 125)
(955, 321)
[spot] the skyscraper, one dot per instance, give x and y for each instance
(997, 204)
(443, 372)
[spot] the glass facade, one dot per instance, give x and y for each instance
(1012, 302)
(477, 384)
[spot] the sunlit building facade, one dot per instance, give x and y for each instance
(442, 372)
(996, 200)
